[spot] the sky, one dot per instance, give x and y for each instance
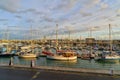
(35, 19)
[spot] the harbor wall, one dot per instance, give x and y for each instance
(64, 69)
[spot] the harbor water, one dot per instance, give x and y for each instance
(79, 63)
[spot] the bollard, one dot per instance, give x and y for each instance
(11, 61)
(111, 71)
(32, 63)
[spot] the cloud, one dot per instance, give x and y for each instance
(44, 14)
(64, 5)
(3, 19)
(85, 14)
(48, 19)
(118, 11)
(18, 16)
(32, 10)
(90, 3)
(104, 5)
(9, 5)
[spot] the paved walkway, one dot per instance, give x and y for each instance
(7, 73)
(78, 70)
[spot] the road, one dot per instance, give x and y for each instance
(32, 74)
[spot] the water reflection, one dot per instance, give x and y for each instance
(62, 63)
(117, 61)
(79, 63)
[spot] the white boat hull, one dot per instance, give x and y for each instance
(115, 57)
(112, 57)
(28, 56)
(60, 57)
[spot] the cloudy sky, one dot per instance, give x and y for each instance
(20, 18)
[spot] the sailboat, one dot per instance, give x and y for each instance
(6, 53)
(28, 51)
(6, 50)
(62, 55)
(109, 55)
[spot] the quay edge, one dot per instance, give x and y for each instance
(64, 69)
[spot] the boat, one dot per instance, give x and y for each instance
(44, 52)
(6, 49)
(28, 51)
(27, 55)
(86, 54)
(64, 56)
(109, 55)
(6, 52)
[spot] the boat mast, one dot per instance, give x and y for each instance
(7, 35)
(56, 37)
(90, 33)
(32, 39)
(80, 40)
(92, 42)
(69, 43)
(110, 39)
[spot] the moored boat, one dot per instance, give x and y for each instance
(27, 52)
(27, 55)
(108, 56)
(5, 54)
(66, 56)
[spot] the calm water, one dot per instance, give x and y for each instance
(42, 61)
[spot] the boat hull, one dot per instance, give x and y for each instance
(108, 58)
(7, 55)
(28, 56)
(62, 58)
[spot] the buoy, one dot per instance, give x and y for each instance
(11, 61)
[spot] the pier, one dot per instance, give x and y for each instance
(18, 72)
(64, 69)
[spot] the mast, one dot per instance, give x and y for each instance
(7, 35)
(91, 42)
(110, 38)
(56, 36)
(69, 43)
(80, 40)
(90, 33)
(69, 35)
(32, 39)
